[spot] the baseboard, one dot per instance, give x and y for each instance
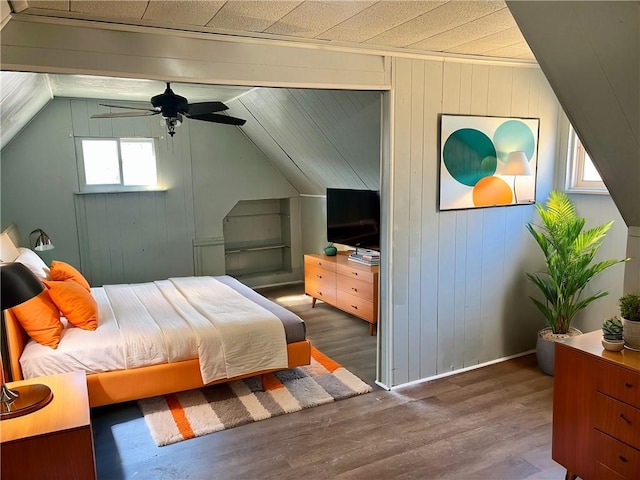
(455, 372)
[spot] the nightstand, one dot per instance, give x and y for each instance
(55, 441)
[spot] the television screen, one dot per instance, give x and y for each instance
(353, 217)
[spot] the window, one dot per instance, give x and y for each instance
(582, 174)
(114, 164)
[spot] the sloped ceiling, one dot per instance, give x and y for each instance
(317, 138)
(590, 53)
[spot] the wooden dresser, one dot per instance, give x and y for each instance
(596, 410)
(347, 285)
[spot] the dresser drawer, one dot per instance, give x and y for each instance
(355, 287)
(318, 261)
(356, 306)
(618, 419)
(619, 457)
(320, 283)
(365, 274)
(605, 473)
(620, 383)
(320, 275)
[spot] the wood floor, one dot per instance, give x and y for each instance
(492, 423)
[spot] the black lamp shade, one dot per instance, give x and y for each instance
(18, 284)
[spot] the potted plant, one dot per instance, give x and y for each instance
(569, 250)
(630, 311)
(330, 250)
(612, 334)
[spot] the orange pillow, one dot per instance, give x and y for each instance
(75, 303)
(40, 318)
(61, 271)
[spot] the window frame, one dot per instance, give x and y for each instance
(112, 187)
(574, 167)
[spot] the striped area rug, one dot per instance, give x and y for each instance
(175, 417)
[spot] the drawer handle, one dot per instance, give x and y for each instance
(625, 419)
(354, 306)
(319, 276)
(623, 459)
(319, 293)
(354, 289)
(628, 385)
(355, 273)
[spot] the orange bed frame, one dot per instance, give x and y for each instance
(118, 386)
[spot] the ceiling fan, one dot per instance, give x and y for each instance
(173, 108)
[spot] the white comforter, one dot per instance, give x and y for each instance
(168, 321)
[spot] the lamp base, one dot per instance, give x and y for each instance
(22, 400)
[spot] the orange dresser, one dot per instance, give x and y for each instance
(344, 284)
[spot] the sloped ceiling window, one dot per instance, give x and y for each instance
(582, 174)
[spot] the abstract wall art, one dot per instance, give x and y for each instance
(487, 161)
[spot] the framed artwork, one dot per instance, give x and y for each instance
(487, 161)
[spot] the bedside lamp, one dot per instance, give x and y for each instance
(18, 285)
(518, 166)
(43, 242)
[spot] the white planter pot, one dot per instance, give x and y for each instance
(546, 347)
(631, 333)
(613, 345)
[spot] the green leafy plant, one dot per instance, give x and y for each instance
(569, 250)
(612, 329)
(630, 307)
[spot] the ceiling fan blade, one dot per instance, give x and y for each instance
(139, 113)
(126, 106)
(200, 108)
(214, 117)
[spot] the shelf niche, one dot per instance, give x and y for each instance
(257, 238)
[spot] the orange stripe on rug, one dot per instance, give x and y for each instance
(323, 360)
(179, 416)
(270, 382)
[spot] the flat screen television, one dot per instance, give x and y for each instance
(353, 217)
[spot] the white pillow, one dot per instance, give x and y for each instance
(33, 262)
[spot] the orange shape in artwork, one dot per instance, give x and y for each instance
(492, 191)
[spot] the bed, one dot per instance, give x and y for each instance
(189, 363)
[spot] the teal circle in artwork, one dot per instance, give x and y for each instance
(514, 136)
(469, 156)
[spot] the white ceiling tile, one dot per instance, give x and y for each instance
(452, 26)
(112, 8)
(510, 51)
(510, 36)
(476, 29)
(378, 18)
(188, 12)
(441, 19)
(251, 16)
(312, 18)
(62, 5)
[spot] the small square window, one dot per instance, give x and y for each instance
(112, 164)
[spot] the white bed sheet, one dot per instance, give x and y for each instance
(167, 321)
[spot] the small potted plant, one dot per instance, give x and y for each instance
(612, 334)
(330, 250)
(630, 311)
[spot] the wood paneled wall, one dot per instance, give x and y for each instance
(141, 236)
(456, 283)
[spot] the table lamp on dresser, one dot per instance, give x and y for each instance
(18, 284)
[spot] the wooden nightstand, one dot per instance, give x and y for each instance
(55, 441)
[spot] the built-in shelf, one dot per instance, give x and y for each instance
(257, 238)
(254, 249)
